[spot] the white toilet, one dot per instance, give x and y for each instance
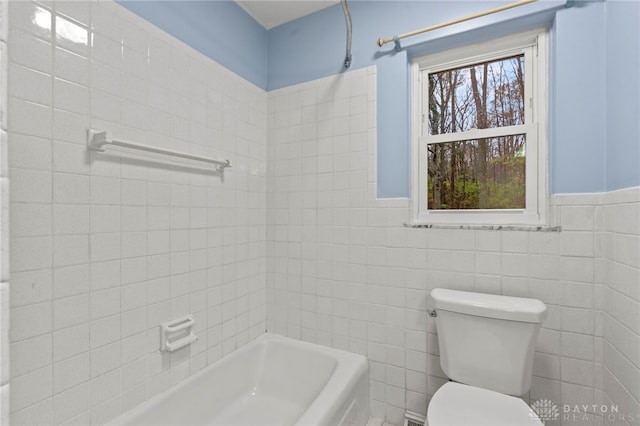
(486, 344)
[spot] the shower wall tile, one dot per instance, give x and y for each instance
(31, 354)
(106, 246)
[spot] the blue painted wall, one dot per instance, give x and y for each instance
(221, 30)
(578, 129)
(594, 128)
(595, 143)
(623, 94)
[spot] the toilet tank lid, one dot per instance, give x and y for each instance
(489, 305)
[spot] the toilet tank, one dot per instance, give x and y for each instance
(488, 340)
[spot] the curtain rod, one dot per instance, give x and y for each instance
(396, 39)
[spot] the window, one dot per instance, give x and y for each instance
(479, 126)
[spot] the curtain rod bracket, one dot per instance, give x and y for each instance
(396, 42)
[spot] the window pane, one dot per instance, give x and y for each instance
(481, 96)
(477, 174)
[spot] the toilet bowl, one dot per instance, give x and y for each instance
(455, 404)
(486, 345)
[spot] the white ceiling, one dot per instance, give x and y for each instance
(271, 13)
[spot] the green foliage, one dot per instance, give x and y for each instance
(502, 187)
(486, 173)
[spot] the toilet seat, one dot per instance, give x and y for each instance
(455, 404)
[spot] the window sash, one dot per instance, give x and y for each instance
(529, 74)
(531, 185)
(493, 132)
(534, 104)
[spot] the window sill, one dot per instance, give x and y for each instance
(527, 228)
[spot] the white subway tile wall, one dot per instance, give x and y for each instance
(617, 294)
(106, 246)
(343, 271)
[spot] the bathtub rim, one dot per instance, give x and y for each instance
(319, 412)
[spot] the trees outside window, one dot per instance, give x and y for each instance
(478, 155)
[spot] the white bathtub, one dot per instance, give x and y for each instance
(273, 380)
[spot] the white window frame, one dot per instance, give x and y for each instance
(533, 44)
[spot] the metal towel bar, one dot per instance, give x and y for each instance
(97, 141)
